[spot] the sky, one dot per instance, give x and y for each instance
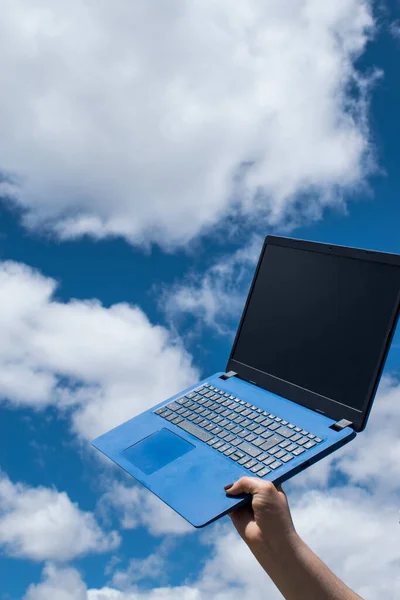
(146, 150)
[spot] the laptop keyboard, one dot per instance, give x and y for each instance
(254, 438)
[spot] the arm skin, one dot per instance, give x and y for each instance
(267, 528)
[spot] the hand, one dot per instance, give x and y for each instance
(265, 522)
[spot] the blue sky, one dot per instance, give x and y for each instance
(112, 249)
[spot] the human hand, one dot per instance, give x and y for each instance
(267, 521)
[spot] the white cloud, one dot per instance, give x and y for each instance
(215, 298)
(130, 119)
(108, 355)
(58, 584)
(137, 507)
(43, 524)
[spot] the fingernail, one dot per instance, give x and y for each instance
(226, 487)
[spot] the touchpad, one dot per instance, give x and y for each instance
(157, 450)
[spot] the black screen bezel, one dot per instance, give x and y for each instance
(295, 393)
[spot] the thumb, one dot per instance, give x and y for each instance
(247, 485)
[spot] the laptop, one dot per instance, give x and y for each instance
(299, 384)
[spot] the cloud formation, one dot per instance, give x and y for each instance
(43, 524)
(215, 298)
(151, 123)
(136, 507)
(96, 362)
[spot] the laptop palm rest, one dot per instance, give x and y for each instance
(157, 450)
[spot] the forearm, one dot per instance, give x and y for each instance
(299, 574)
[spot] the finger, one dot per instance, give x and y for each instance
(248, 485)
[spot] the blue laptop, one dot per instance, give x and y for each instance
(300, 381)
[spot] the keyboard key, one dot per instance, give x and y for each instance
(251, 437)
(302, 441)
(259, 430)
(234, 456)
(257, 467)
(273, 441)
(264, 472)
(218, 444)
(268, 460)
(243, 460)
(224, 448)
(284, 444)
(266, 434)
(196, 431)
(209, 426)
(252, 426)
(213, 441)
(230, 426)
(259, 419)
(280, 454)
(297, 429)
(229, 437)
(191, 417)
(177, 420)
(291, 447)
(309, 445)
(285, 431)
(272, 416)
(278, 419)
(274, 450)
(286, 458)
(229, 451)
(284, 423)
(243, 433)
(190, 395)
(215, 430)
(311, 436)
(262, 456)
(173, 406)
(160, 411)
(298, 451)
(318, 440)
(170, 417)
(197, 420)
(274, 426)
(295, 437)
(290, 425)
(246, 423)
(250, 450)
(223, 434)
(275, 464)
(246, 412)
(236, 441)
(304, 432)
(238, 420)
(250, 464)
(236, 429)
(258, 442)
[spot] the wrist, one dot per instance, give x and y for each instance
(277, 546)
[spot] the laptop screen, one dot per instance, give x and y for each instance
(319, 321)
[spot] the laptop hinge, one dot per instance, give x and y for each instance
(228, 375)
(339, 425)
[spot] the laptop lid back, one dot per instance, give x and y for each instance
(317, 325)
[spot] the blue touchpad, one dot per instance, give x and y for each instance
(157, 450)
